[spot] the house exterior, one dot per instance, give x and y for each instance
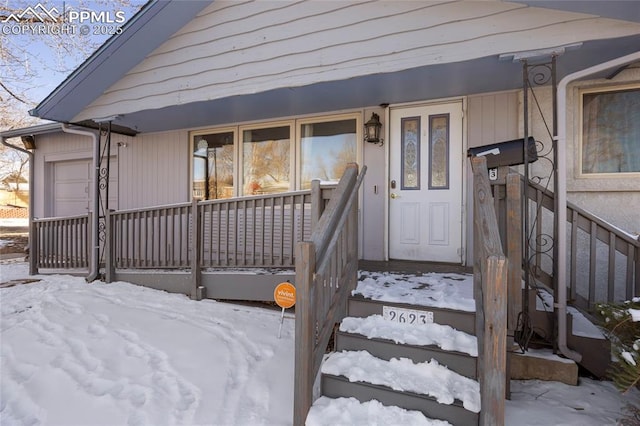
(205, 127)
(211, 100)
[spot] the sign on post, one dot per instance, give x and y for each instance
(285, 296)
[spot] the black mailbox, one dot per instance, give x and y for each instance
(509, 153)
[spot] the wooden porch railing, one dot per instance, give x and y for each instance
(60, 243)
(604, 262)
(326, 273)
(490, 290)
(258, 231)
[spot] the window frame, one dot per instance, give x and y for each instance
(324, 119)
(239, 170)
(294, 123)
(580, 131)
(193, 134)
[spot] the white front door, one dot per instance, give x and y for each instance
(425, 183)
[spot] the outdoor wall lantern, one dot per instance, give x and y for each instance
(29, 141)
(372, 129)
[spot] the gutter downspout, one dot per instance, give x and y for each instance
(561, 193)
(94, 271)
(32, 263)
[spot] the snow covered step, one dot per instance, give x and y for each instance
(359, 306)
(329, 412)
(428, 387)
(385, 340)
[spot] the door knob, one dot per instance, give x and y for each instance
(394, 196)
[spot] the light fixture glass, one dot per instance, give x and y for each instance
(372, 129)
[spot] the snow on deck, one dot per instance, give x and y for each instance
(449, 291)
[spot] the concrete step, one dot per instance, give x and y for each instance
(582, 336)
(359, 306)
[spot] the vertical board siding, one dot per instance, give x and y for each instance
(154, 169)
(490, 118)
(240, 48)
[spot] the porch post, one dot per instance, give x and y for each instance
(316, 203)
(196, 273)
(108, 248)
(34, 246)
(304, 332)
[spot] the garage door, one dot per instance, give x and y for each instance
(72, 187)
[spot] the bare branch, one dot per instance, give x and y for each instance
(11, 93)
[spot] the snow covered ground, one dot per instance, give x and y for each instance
(117, 354)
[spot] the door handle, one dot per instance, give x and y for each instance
(394, 195)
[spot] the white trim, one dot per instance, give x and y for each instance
(465, 188)
(561, 190)
(580, 133)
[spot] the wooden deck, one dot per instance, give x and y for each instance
(412, 267)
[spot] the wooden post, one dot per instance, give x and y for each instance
(514, 238)
(34, 247)
(490, 284)
(196, 231)
(316, 203)
(514, 249)
(303, 378)
(493, 381)
(108, 248)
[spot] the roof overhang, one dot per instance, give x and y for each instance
(48, 128)
(476, 76)
(626, 10)
(121, 53)
(158, 20)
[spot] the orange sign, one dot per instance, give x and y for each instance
(285, 295)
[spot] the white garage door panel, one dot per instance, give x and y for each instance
(73, 187)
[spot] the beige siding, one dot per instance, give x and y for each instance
(52, 148)
(151, 169)
(234, 48)
(154, 169)
(491, 118)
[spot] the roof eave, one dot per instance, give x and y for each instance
(135, 42)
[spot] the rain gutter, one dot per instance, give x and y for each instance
(94, 268)
(561, 193)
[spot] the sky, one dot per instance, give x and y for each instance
(104, 354)
(39, 62)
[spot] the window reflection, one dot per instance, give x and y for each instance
(266, 160)
(326, 149)
(213, 166)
